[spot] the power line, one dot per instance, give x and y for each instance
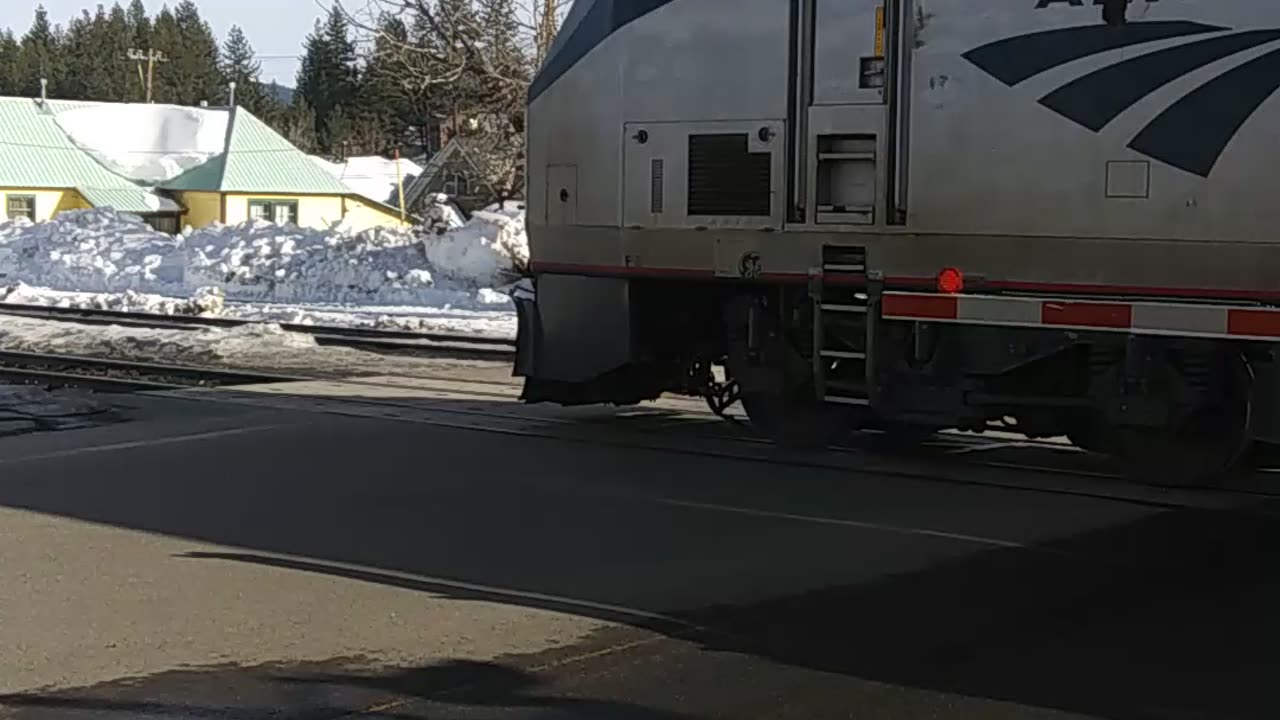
(152, 56)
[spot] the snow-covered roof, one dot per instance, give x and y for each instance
(147, 144)
(257, 160)
(372, 176)
(117, 154)
(35, 152)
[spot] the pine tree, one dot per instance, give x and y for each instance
(327, 79)
(115, 43)
(80, 60)
(298, 126)
(503, 62)
(164, 37)
(139, 25)
(9, 50)
(191, 74)
(384, 104)
(239, 66)
(139, 35)
(463, 37)
(40, 56)
(95, 52)
(423, 85)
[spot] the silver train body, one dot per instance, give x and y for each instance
(1095, 179)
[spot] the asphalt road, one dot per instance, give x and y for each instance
(216, 561)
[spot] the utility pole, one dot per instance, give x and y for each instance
(152, 57)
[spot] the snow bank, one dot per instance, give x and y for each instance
(251, 345)
(497, 321)
(262, 261)
(100, 251)
(372, 176)
(146, 143)
(490, 248)
(205, 301)
(91, 250)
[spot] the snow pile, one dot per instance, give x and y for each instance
(374, 177)
(262, 261)
(513, 209)
(488, 250)
(384, 277)
(262, 345)
(146, 143)
(491, 317)
(204, 301)
(91, 250)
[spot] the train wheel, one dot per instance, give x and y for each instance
(795, 422)
(898, 436)
(1204, 450)
(777, 390)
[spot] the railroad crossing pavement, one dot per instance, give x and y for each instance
(249, 561)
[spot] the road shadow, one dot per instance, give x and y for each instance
(327, 691)
(1158, 614)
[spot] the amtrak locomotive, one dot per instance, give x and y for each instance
(916, 214)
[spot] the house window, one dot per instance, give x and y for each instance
(17, 206)
(455, 184)
(163, 223)
(280, 212)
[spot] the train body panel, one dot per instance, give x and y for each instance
(753, 182)
(987, 176)
(1031, 120)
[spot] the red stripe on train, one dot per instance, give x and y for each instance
(1258, 323)
(1108, 315)
(931, 307)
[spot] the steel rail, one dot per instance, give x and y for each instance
(354, 337)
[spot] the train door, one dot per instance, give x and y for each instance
(850, 114)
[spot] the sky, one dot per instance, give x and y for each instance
(276, 28)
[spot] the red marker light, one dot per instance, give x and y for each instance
(950, 281)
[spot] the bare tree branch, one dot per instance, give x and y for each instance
(465, 72)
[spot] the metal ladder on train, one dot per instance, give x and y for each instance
(840, 316)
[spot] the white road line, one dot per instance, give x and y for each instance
(976, 539)
(500, 592)
(149, 442)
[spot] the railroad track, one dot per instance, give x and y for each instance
(107, 375)
(936, 465)
(933, 462)
(371, 339)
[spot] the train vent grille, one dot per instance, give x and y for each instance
(657, 169)
(726, 179)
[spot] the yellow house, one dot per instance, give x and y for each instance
(178, 166)
(262, 176)
(42, 172)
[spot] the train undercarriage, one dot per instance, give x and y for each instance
(810, 364)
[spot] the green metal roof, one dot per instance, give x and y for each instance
(134, 200)
(35, 153)
(204, 178)
(258, 160)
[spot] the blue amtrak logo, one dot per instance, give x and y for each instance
(1190, 134)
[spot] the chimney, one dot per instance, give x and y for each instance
(44, 90)
(232, 102)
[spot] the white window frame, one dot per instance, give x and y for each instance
(271, 210)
